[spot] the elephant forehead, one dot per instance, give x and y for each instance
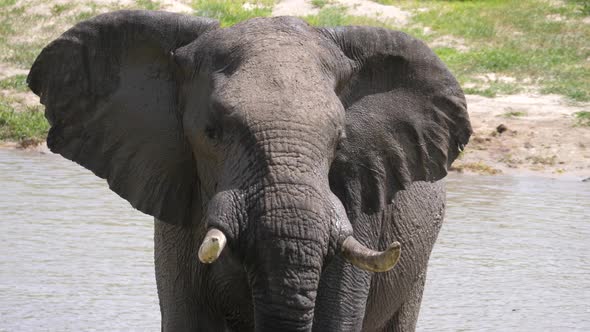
(294, 73)
(265, 93)
(263, 39)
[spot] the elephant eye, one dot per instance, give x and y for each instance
(212, 133)
(339, 140)
(339, 145)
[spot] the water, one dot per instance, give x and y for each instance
(513, 254)
(73, 255)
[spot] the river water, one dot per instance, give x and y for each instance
(513, 255)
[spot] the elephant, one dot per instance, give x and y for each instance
(295, 173)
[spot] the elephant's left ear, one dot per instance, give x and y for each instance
(110, 92)
(406, 115)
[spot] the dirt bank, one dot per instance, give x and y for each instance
(531, 133)
(390, 14)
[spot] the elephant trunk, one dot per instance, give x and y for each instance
(289, 247)
(282, 305)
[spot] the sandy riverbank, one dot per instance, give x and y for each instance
(526, 133)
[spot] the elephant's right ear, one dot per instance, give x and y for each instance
(406, 115)
(110, 95)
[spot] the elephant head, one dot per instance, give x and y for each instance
(269, 135)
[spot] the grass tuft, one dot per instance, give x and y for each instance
(475, 167)
(336, 16)
(18, 126)
(543, 160)
(386, 2)
(23, 54)
(230, 12)
(582, 5)
(320, 3)
(514, 114)
(493, 89)
(7, 3)
(59, 9)
(148, 4)
(582, 118)
(16, 82)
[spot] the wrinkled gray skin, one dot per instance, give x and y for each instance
(286, 137)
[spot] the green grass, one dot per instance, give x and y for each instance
(514, 114)
(22, 36)
(84, 15)
(148, 4)
(386, 2)
(582, 5)
(59, 9)
(336, 15)
(19, 51)
(6, 3)
(492, 89)
(16, 82)
(582, 118)
(23, 54)
(230, 12)
(320, 3)
(523, 39)
(29, 124)
(330, 16)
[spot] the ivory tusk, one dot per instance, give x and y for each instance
(212, 246)
(370, 260)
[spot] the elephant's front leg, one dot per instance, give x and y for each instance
(179, 281)
(342, 297)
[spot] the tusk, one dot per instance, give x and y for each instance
(212, 246)
(370, 260)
